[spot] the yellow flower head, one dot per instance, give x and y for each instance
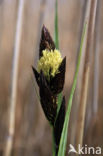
(50, 62)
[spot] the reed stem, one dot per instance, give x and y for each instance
(15, 69)
(86, 73)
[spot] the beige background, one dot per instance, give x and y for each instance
(32, 131)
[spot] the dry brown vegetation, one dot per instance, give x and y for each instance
(32, 132)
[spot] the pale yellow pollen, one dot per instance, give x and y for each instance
(50, 62)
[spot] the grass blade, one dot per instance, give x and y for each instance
(63, 140)
(56, 39)
(86, 73)
(56, 36)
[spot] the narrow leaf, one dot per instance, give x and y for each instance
(56, 25)
(63, 140)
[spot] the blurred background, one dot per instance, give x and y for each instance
(32, 132)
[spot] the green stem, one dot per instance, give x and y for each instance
(56, 38)
(56, 25)
(63, 140)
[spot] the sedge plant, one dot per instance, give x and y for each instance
(50, 77)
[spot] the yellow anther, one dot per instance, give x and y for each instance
(50, 62)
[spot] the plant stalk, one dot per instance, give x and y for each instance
(15, 69)
(85, 80)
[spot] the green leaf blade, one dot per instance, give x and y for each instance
(56, 35)
(63, 140)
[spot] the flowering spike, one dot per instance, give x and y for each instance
(50, 77)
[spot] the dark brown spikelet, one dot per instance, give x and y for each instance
(59, 125)
(57, 82)
(48, 100)
(46, 41)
